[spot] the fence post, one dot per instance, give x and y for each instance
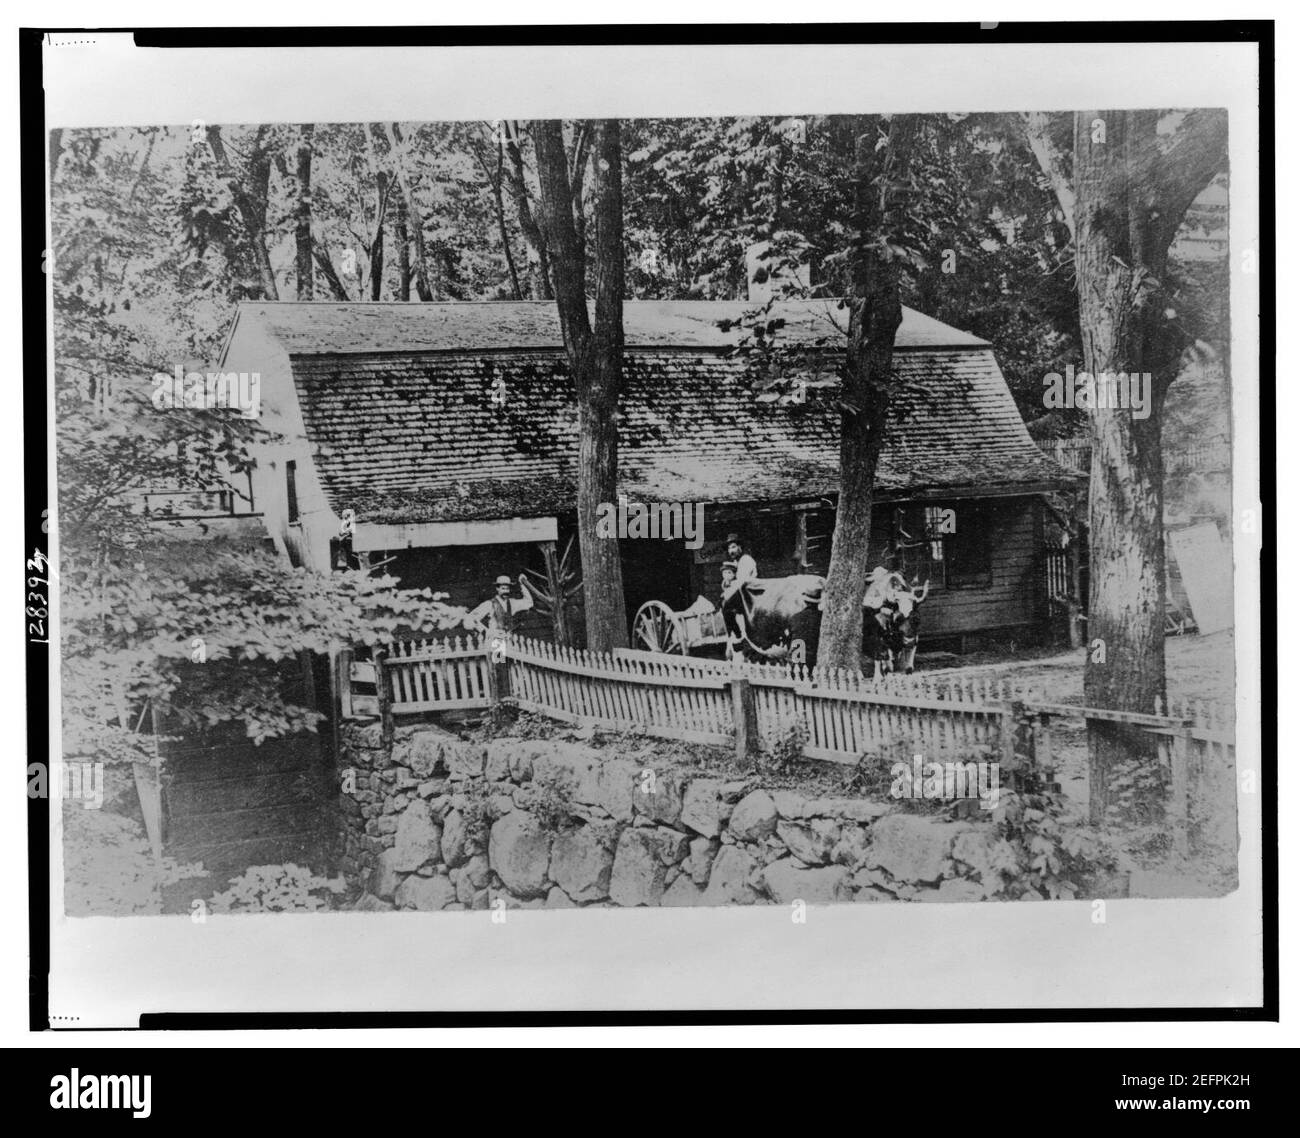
(1177, 758)
(1098, 773)
(744, 714)
(343, 678)
(1043, 750)
(497, 679)
(383, 696)
(1008, 740)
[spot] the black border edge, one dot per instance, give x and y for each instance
(36, 483)
(32, 144)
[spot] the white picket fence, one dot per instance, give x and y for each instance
(939, 715)
(453, 674)
(690, 698)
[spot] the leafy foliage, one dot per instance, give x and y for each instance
(550, 798)
(1034, 849)
(109, 869)
(786, 754)
(277, 889)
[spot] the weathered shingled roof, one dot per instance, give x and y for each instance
(315, 326)
(415, 436)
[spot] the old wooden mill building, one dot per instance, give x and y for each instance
(447, 435)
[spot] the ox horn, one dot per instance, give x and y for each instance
(925, 591)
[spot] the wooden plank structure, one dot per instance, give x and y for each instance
(419, 676)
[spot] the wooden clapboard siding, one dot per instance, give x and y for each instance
(1013, 596)
(654, 569)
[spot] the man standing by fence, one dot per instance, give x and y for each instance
(495, 617)
(498, 612)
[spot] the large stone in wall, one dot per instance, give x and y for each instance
(496, 762)
(385, 878)
(955, 889)
(660, 797)
(789, 880)
(682, 894)
(417, 837)
(617, 786)
(704, 810)
(426, 894)
(729, 879)
(846, 809)
(581, 863)
(638, 874)
(423, 750)
(591, 780)
(673, 845)
(754, 817)
(852, 847)
(912, 847)
(789, 804)
(699, 863)
(519, 850)
(465, 760)
(797, 807)
(558, 899)
(369, 736)
(454, 835)
(811, 841)
(477, 870)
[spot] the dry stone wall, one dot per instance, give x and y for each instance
(436, 822)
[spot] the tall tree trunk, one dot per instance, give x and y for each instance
(403, 240)
(411, 211)
(498, 201)
(535, 238)
(1125, 201)
(249, 194)
(595, 358)
(377, 243)
(875, 313)
(1115, 264)
(302, 216)
(332, 278)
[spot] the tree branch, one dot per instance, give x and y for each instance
(1051, 161)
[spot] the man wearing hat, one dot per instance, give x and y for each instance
(499, 610)
(746, 566)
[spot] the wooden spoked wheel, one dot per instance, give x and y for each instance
(657, 629)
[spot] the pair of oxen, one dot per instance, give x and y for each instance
(778, 620)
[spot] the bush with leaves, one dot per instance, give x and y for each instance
(278, 889)
(786, 753)
(550, 799)
(479, 811)
(1034, 848)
